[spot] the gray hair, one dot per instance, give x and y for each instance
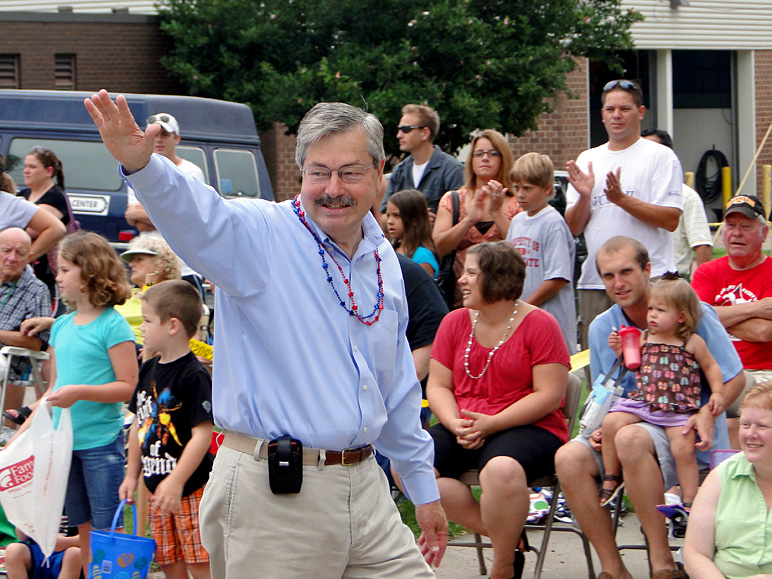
(327, 119)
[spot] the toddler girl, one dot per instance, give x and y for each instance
(94, 370)
(407, 219)
(668, 385)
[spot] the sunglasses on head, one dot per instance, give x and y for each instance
(623, 84)
(155, 118)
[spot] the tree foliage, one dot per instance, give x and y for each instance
(479, 63)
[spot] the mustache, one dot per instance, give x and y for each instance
(340, 201)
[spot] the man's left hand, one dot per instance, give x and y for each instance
(702, 422)
(613, 188)
(434, 531)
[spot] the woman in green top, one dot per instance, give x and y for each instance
(730, 525)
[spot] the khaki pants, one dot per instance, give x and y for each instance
(343, 523)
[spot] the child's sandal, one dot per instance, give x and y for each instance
(608, 495)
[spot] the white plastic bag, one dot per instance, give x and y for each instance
(33, 477)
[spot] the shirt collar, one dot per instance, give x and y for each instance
(743, 468)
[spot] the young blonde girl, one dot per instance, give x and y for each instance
(668, 381)
(410, 231)
(94, 370)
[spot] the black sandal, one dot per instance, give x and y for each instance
(21, 415)
(608, 495)
(522, 547)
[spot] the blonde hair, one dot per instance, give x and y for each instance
(103, 274)
(679, 294)
(169, 265)
(535, 169)
(760, 396)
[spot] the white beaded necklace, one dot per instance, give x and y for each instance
(490, 354)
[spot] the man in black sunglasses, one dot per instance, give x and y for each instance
(627, 186)
(426, 168)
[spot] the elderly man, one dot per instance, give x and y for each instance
(637, 193)
(310, 351)
(739, 286)
(644, 450)
(22, 296)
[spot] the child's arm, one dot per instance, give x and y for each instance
(615, 343)
(697, 346)
(124, 361)
(548, 289)
(168, 493)
(63, 542)
(133, 466)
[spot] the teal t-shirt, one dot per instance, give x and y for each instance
(82, 358)
(425, 255)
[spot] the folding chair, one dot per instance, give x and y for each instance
(35, 358)
(470, 478)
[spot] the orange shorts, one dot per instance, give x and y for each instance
(177, 535)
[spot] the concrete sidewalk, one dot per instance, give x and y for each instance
(565, 559)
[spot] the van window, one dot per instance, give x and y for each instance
(196, 156)
(236, 173)
(86, 165)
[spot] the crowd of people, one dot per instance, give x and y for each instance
(353, 258)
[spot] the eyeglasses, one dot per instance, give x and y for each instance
(407, 128)
(161, 117)
(347, 174)
(623, 84)
(493, 153)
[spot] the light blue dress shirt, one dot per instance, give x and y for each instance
(288, 359)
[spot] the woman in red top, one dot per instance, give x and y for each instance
(497, 381)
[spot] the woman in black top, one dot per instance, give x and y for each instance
(44, 179)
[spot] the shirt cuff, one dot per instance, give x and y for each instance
(422, 488)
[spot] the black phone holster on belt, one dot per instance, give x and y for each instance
(285, 465)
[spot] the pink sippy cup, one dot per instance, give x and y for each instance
(631, 346)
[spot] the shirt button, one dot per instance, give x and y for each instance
(356, 349)
(364, 387)
(365, 429)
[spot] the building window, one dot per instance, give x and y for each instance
(9, 71)
(65, 72)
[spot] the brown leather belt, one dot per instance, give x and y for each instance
(311, 456)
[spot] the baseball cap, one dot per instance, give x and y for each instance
(748, 205)
(127, 256)
(167, 121)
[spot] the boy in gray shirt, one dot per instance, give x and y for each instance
(542, 236)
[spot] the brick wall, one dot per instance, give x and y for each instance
(763, 66)
(279, 153)
(564, 133)
(121, 55)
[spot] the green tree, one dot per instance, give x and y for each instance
(479, 63)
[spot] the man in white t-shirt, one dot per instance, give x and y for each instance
(640, 196)
(166, 142)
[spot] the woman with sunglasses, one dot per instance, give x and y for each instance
(486, 201)
(44, 178)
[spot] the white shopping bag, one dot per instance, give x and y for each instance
(33, 477)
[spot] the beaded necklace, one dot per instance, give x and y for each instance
(354, 309)
(490, 354)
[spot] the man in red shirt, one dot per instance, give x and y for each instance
(739, 287)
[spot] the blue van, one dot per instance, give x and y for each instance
(220, 137)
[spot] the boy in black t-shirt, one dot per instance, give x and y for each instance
(170, 438)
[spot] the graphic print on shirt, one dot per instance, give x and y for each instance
(529, 249)
(734, 294)
(155, 429)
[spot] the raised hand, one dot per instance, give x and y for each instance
(119, 131)
(582, 182)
